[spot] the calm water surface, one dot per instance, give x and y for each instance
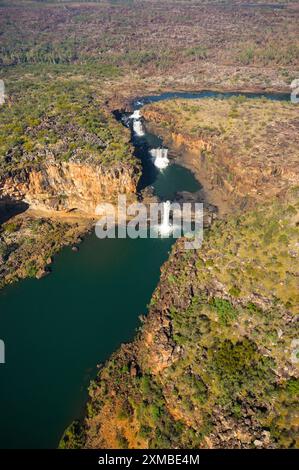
(58, 328)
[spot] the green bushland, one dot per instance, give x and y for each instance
(234, 353)
(65, 117)
(57, 32)
(72, 437)
(27, 244)
(231, 305)
(281, 54)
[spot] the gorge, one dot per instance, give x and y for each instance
(56, 320)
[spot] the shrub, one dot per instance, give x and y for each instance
(31, 269)
(224, 309)
(246, 57)
(242, 370)
(73, 437)
(11, 227)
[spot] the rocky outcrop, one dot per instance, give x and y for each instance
(24, 231)
(235, 164)
(211, 366)
(69, 185)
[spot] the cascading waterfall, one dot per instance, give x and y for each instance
(138, 128)
(165, 227)
(136, 114)
(160, 157)
(66, 387)
(137, 124)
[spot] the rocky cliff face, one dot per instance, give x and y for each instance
(52, 189)
(69, 185)
(213, 364)
(215, 361)
(242, 151)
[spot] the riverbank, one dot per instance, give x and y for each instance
(211, 366)
(223, 141)
(235, 299)
(161, 341)
(237, 387)
(66, 322)
(63, 189)
(29, 242)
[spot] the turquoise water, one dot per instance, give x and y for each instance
(58, 328)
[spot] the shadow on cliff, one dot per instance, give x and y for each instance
(9, 208)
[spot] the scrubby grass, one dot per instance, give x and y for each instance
(170, 33)
(252, 129)
(65, 118)
(233, 364)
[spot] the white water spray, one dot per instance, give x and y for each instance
(137, 124)
(165, 227)
(136, 114)
(160, 157)
(138, 128)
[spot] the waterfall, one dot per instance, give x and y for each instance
(136, 114)
(137, 124)
(160, 157)
(165, 228)
(138, 128)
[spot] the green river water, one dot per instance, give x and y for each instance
(57, 329)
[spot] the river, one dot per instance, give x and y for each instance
(58, 328)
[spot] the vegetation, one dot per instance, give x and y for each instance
(28, 244)
(211, 365)
(248, 147)
(64, 118)
(238, 123)
(72, 437)
(228, 379)
(269, 54)
(168, 35)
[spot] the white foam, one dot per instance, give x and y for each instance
(138, 127)
(136, 114)
(160, 158)
(165, 228)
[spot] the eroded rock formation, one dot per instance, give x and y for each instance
(69, 185)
